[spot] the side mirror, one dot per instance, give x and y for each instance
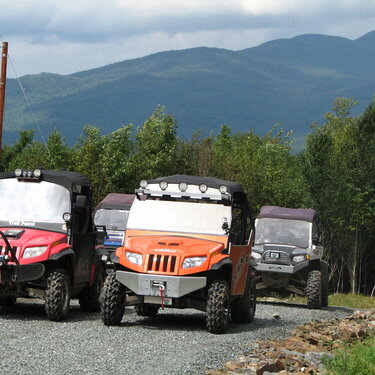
(81, 202)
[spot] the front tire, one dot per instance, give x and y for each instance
(324, 283)
(217, 310)
(243, 308)
(313, 290)
(112, 301)
(146, 309)
(57, 301)
(89, 297)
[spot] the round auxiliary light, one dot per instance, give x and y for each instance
(143, 184)
(18, 172)
(183, 186)
(67, 216)
(24, 174)
(163, 185)
(29, 174)
(37, 173)
(223, 189)
(203, 188)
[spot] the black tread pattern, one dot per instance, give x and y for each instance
(57, 301)
(324, 268)
(243, 308)
(313, 290)
(217, 309)
(145, 309)
(89, 297)
(112, 301)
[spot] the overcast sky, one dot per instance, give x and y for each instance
(67, 36)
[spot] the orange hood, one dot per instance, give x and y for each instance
(166, 254)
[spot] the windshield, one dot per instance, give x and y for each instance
(179, 216)
(112, 219)
(282, 231)
(36, 204)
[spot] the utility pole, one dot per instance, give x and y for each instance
(3, 80)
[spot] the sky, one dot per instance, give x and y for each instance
(68, 36)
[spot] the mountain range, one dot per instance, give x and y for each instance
(293, 82)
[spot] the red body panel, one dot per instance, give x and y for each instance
(55, 243)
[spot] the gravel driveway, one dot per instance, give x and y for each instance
(175, 342)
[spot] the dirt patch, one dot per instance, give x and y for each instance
(302, 351)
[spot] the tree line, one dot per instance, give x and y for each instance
(334, 172)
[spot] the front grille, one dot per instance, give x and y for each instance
(161, 263)
(282, 259)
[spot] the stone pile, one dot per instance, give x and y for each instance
(301, 353)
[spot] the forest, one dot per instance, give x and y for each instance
(334, 172)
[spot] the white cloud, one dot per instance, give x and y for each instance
(66, 36)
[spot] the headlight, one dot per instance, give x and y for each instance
(134, 257)
(255, 255)
(298, 258)
(223, 189)
(31, 252)
(193, 262)
(203, 188)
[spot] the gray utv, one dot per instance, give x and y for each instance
(288, 254)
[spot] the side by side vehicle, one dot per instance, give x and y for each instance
(288, 254)
(187, 245)
(112, 214)
(48, 244)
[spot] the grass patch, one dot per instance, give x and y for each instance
(359, 359)
(354, 301)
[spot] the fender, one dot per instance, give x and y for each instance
(100, 250)
(65, 252)
(222, 263)
(115, 258)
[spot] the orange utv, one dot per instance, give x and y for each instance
(187, 245)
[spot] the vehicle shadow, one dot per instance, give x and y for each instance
(177, 320)
(303, 306)
(29, 310)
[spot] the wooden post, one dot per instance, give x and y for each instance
(3, 80)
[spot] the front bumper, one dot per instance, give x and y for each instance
(149, 285)
(280, 268)
(20, 273)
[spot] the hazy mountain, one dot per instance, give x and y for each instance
(288, 81)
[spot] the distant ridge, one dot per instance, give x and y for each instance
(288, 81)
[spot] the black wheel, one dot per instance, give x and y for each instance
(217, 310)
(7, 301)
(57, 300)
(324, 283)
(313, 290)
(243, 308)
(112, 301)
(89, 297)
(146, 309)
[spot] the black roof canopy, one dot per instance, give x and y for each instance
(307, 214)
(116, 201)
(65, 178)
(212, 182)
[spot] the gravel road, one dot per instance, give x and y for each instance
(175, 342)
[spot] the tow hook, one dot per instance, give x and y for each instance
(161, 286)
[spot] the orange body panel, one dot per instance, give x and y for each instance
(164, 253)
(240, 257)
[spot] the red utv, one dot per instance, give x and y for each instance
(48, 244)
